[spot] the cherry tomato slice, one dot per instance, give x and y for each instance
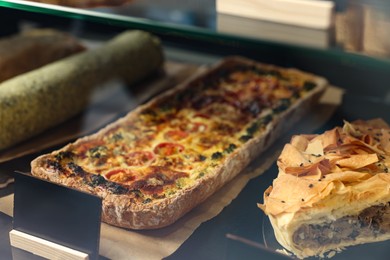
(139, 158)
(175, 135)
(167, 149)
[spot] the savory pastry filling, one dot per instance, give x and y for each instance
(370, 223)
(342, 174)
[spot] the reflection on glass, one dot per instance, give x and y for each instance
(84, 3)
(200, 13)
(361, 26)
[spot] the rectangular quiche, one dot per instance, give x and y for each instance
(165, 157)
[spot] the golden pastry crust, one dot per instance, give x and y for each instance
(325, 178)
(167, 203)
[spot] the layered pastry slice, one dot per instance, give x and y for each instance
(332, 189)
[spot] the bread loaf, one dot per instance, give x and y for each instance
(34, 48)
(42, 98)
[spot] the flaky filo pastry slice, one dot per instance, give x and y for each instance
(332, 190)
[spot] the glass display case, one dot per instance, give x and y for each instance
(353, 54)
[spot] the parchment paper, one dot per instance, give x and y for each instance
(117, 243)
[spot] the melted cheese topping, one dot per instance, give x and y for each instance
(170, 145)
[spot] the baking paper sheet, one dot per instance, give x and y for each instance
(118, 243)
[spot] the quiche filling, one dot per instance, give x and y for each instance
(371, 222)
(183, 137)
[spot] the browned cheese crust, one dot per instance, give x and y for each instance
(125, 211)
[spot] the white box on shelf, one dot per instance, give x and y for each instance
(316, 14)
(275, 32)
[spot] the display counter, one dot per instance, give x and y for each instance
(352, 54)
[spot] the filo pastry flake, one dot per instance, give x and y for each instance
(332, 190)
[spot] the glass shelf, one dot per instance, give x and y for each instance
(360, 26)
(340, 54)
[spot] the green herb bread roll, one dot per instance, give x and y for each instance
(42, 98)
